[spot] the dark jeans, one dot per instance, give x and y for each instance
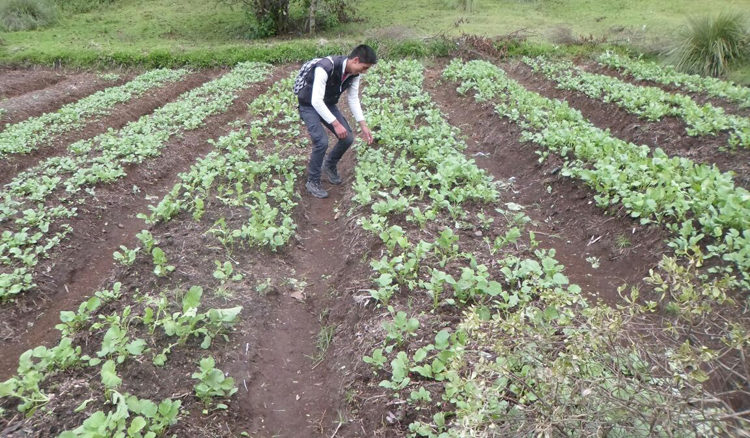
(320, 140)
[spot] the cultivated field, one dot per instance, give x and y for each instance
(530, 247)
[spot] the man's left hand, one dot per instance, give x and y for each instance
(366, 134)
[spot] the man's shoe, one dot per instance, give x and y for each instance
(332, 174)
(316, 190)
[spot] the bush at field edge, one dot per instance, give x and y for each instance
(709, 45)
(26, 14)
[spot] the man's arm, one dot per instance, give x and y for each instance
(320, 77)
(356, 108)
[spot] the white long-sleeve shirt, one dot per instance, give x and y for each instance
(320, 78)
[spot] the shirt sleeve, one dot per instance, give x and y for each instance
(318, 92)
(353, 99)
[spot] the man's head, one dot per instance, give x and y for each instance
(361, 59)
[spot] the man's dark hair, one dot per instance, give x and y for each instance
(365, 53)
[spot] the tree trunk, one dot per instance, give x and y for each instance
(313, 10)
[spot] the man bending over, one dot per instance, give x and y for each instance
(323, 84)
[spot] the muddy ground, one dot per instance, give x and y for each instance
(288, 387)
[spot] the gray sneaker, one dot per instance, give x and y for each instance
(332, 174)
(316, 190)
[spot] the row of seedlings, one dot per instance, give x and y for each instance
(484, 335)
(650, 103)
(238, 183)
(37, 202)
(31, 134)
(698, 286)
(698, 203)
(667, 75)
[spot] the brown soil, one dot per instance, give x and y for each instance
(287, 386)
(283, 391)
(69, 89)
(19, 81)
(668, 133)
(121, 115)
(291, 391)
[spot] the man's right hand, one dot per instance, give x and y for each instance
(341, 132)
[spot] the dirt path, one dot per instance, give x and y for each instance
(292, 391)
(600, 252)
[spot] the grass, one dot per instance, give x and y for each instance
(622, 241)
(205, 32)
(26, 14)
(639, 19)
(323, 341)
(709, 45)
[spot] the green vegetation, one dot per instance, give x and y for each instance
(151, 325)
(710, 45)
(477, 329)
(165, 33)
(529, 353)
(267, 18)
(649, 103)
(667, 75)
(78, 6)
(101, 159)
(133, 417)
(35, 132)
(649, 184)
(26, 14)
(212, 383)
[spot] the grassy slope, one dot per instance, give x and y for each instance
(597, 17)
(134, 28)
(206, 29)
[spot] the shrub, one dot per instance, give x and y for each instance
(266, 17)
(26, 14)
(319, 14)
(708, 46)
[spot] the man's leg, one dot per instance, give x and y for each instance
(333, 157)
(319, 138)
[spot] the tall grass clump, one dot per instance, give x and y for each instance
(26, 14)
(709, 45)
(80, 6)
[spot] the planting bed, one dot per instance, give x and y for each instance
(165, 273)
(667, 133)
(19, 81)
(46, 91)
